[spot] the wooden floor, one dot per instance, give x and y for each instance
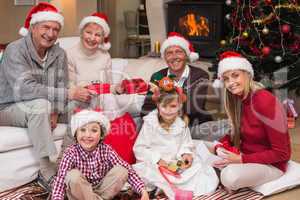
(293, 194)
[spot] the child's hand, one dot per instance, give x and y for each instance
(187, 158)
(145, 195)
(162, 163)
(228, 158)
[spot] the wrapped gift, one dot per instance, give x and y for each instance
(136, 85)
(99, 88)
(291, 112)
(225, 143)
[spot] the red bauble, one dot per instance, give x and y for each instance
(266, 51)
(285, 28)
(269, 2)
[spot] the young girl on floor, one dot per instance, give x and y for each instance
(164, 139)
(90, 169)
(258, 147)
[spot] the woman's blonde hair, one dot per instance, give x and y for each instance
(233, 106)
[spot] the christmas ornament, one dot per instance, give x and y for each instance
(228, 2)
(227, 16)
(265, 31)
(266, 51)
(278, 59)
(285, 28)
(222, 43)
(245, 34)
(268, 2)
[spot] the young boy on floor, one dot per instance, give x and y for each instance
(91, 169)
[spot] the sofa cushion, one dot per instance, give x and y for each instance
(12, 138)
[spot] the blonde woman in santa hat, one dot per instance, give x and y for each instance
(258, 148)
(178, 53)
(90, 169)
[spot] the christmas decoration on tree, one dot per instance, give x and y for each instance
(267, 33)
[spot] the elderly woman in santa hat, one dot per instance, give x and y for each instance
(89, 62)
(178, 53)
(258, 148)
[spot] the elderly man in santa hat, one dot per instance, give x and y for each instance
(177, 52)
(33, 82)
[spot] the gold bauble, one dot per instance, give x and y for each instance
(223, 43)
(245, 34)
(265, 31)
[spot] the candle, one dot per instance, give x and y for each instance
(157, 47)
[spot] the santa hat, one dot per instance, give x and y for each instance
(39, 13)
(102, 20)
(83, 117)
(175, 39)
(231, 60)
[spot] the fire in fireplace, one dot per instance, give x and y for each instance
(199, 21)
(193, 24)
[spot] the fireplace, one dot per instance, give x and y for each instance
(200, 21)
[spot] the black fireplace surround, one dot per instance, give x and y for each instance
(200, 21)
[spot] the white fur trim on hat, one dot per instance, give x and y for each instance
(86, 116)
(47, 16)
(97, 20)
(105, 46)
(23, 31)
(234, 63)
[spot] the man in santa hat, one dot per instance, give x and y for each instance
(33, 82)
(177, 53)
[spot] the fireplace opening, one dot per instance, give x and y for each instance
(199, 21)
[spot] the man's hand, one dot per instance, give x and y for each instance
(53, 120)
(162, 163)
(80, 94)
(187, 158)
(144, 194)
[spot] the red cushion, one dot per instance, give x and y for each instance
(122, 137)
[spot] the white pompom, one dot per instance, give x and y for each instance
(218, 83)
(105, 46)
(194, 56)
(23, 31)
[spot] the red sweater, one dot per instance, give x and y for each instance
(264, 133)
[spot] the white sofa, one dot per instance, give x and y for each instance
(17, 162)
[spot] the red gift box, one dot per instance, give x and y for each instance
(132, 86)
(99, 88)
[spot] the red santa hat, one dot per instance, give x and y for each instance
(39, 13)
(176, 39)
(231, 60)
(102, 20)
(85, 116)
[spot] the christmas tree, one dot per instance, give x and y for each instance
(267, 33)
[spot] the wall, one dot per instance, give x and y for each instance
(12, 18)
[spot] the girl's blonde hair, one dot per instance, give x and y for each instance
(233, 107)
(167, 97)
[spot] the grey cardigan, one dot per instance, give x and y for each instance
(23, 78)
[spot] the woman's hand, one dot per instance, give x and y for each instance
(187, 158)
(144, 194)
(228, 158)
(162, 163)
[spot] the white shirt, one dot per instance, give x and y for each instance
(183, 77)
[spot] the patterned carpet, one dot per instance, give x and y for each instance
(33, 191)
